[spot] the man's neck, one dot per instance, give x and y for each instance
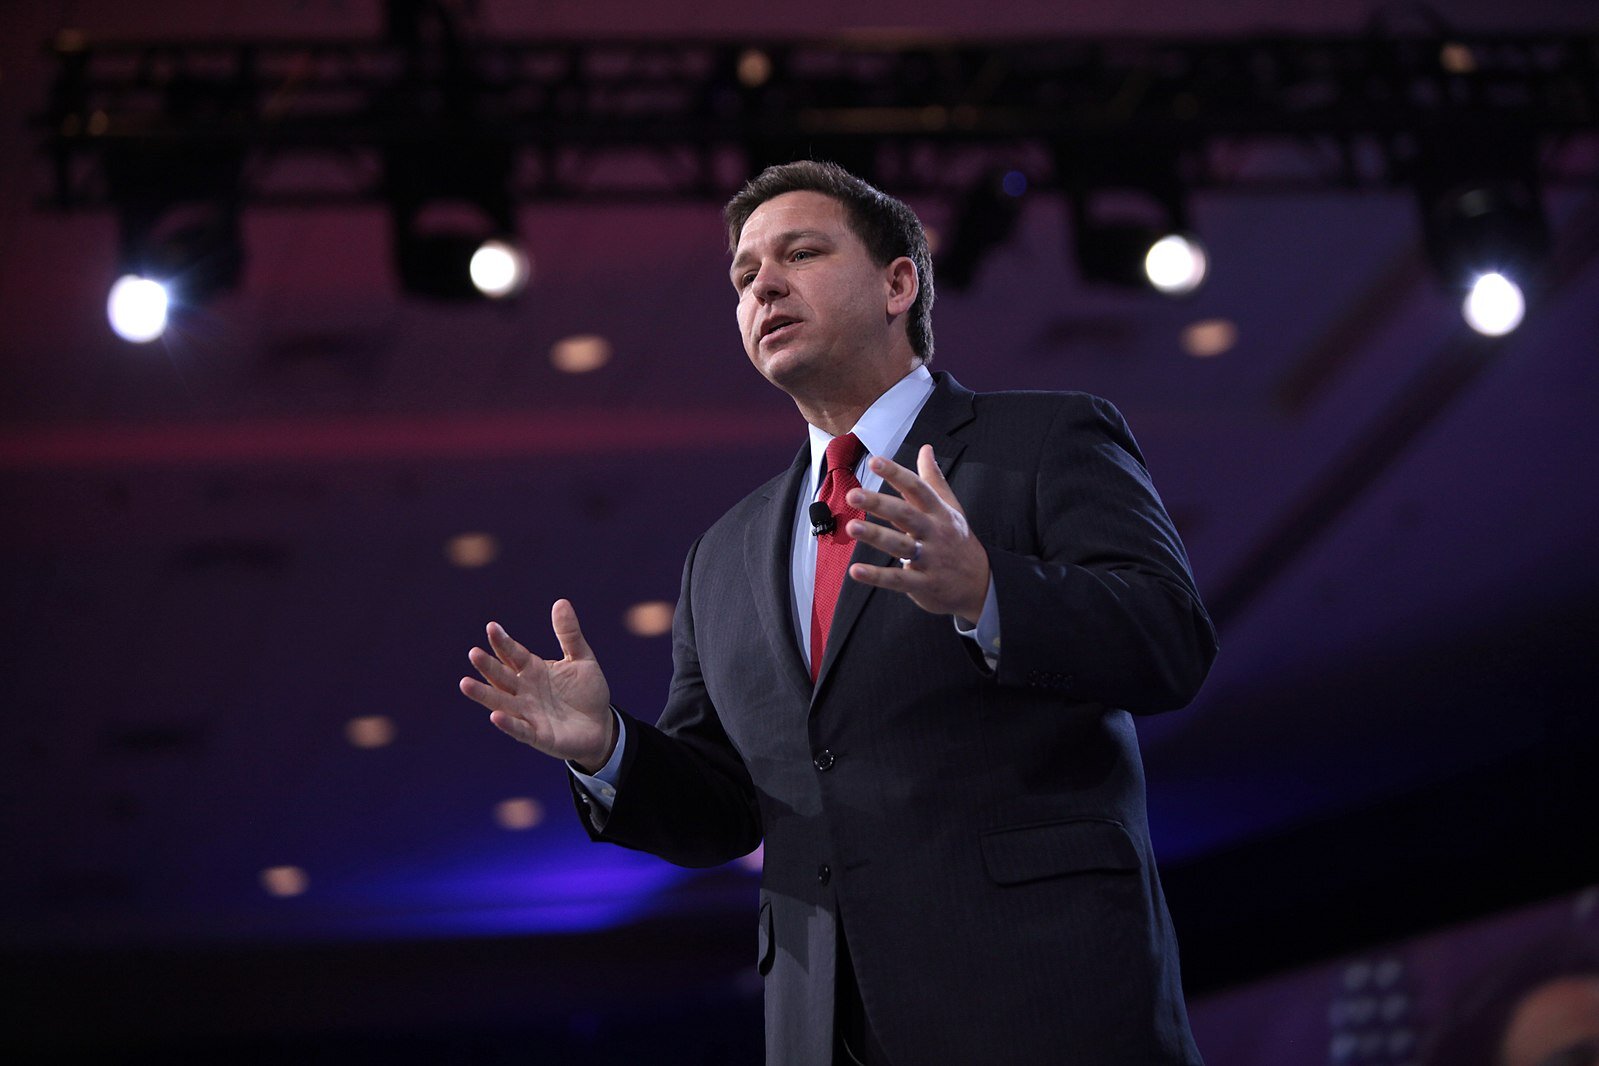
(838, 409)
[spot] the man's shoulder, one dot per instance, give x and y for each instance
(1033, 413)
(948, 392)
(737, 517)
(1044, 402)
(1021, 422)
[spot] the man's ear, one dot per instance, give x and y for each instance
(903, 285)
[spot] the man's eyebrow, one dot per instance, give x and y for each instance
(786, 238)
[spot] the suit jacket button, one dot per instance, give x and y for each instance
(824, 874)
(825, 760)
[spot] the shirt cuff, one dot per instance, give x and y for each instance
(986, 632)
(601, 784)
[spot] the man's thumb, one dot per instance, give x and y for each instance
(563, 617)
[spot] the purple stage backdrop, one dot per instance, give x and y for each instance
(1391, 1005)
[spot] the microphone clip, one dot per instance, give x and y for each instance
(822, 519)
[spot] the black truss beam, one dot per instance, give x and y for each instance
(598, 120)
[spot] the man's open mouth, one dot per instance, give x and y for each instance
(776, 323)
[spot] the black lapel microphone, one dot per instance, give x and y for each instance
(822, 520)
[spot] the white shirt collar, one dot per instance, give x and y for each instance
(882, 428)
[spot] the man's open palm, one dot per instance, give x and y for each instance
(560, 707)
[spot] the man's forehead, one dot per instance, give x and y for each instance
(792, 213)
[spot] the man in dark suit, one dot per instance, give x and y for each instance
(938, 750)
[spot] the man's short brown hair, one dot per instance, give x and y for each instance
(887, 227)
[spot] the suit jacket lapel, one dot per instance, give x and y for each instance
(946, 410)
(768, 548)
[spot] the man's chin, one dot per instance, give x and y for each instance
(786, 367)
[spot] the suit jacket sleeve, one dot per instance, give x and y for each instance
(1106, 610)
(712, 816)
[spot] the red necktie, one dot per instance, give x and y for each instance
(833, 549)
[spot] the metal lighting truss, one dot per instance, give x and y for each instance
(311, 122)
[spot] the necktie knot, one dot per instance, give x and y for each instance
(844, 452)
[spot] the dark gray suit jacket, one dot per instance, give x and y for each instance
(981, 835)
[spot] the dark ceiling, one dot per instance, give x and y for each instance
(220, 548)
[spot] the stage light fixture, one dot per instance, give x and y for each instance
(499, 269)
(1128, 208)
(1112, 253)
(285, 882)
(652, 618)
(1484, 226)
(1137, 255)
(178, 206)
(1176, 264)
(1209, 337)
(580, 353)
(194, 251)
(370, 731)
(754, 68)
(518, 812)
(1495, 305)
(137, 308)
(453, 221)
(174, 254)
(1137, 239)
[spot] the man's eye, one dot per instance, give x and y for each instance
(803, 253)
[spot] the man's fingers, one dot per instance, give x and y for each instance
(927, 467)
(892, 509)
(893, 578)
(910, 486)
(512, 726)
(511, 653)
(494, 672)
(487, 695)
(563, 617)
(900, 545)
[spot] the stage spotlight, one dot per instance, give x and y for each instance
(1112, 253)
(1134, 255)
(195, 251)
(458, 264)
(137, 308)
(1209, 337)
(284, 881)
(180, 243)
(754, 68)
(1176, 264)
(1484, 226)
(178, 202)
(1136, 242)
(454, 221)
(1481, 227)
(1495, 305)
(498, 269)
(1129, 215)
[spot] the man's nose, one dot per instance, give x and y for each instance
(769, 283)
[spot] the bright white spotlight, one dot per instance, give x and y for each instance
(1495, 305)
(137, 308)
(498, 269)
(1176, 264)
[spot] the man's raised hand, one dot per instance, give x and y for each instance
(562, 708)
(944, 568)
